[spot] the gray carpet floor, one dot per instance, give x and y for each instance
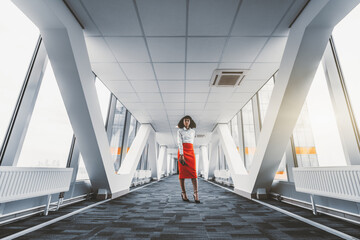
(157, 212)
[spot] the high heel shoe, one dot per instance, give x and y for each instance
(196, 201)
(184, 199)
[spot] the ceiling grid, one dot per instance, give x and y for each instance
(157, 56)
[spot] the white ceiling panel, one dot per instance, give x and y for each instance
(203, 49)
(250, 86)
(223, 90)
(174, 106)
(194, 106)
(211, 17)
(114, 18)
(215, 106)
(259, 17)
(262, 71)
(230, 65)
(283, 28)
(108, 71)
(243, 49)
(175, 114)
(119, 86)
(128, 97)
(132, 106)
(163, 17)
(153, 107)
(138, 71)
(172, 86)
(167, 49)
(128, 49)
(264, 67)
(273, 50)
(98, 50)
(218, 97)
(240, 97)
(145, 86)
(173, 97)
(90, 28)
(170, 71)
(200, 71)
(197, 86)
(150, 97)
(196, 97)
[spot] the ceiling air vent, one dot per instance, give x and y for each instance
(227, 77)
(200, 135)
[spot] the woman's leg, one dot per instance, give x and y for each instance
(195, 185)
(182, 185)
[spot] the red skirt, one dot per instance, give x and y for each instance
(189, 169)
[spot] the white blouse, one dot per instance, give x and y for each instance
(185, 136)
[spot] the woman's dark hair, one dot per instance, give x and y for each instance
(181, 122)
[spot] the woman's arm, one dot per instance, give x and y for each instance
(179, 141)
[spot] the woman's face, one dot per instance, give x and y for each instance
(186, 122)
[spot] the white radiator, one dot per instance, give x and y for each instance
(20, 182)
(335, 182)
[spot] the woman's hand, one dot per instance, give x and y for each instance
(182, 160)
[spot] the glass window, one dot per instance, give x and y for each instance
(49, 136)
(346, 37)
(82, 173)
(304, 141)
(117, 133)
(104, 98)
(324, 126)
(132, 132)
(264, 97)
(249, 133)
(235, 131)
(17, 44)
(316, 136)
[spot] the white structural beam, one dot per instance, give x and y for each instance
(214, 154)
(233, 158)
(205, 161)
(305, 46)
(160, 161)
(152, 161)
(65, 44)
(132, 158)
(168, 164)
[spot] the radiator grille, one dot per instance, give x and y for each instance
(335, 182)
(19, 183)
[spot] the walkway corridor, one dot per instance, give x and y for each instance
(157, 212)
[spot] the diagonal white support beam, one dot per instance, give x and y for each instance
(161, 161)
(205, 161)
(233, 158)
(128, 167)
(214, 154)
(152, 155)
(305, 46)
(65, 45)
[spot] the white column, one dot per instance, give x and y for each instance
(213, 158)
(205, 160)
(171, 164)
(160, 161)
(305, 46)
(152, 160)
(256, 116)
(168, 163)
(66, 48)
(132, 158)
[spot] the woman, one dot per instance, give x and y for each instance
(186, 156)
